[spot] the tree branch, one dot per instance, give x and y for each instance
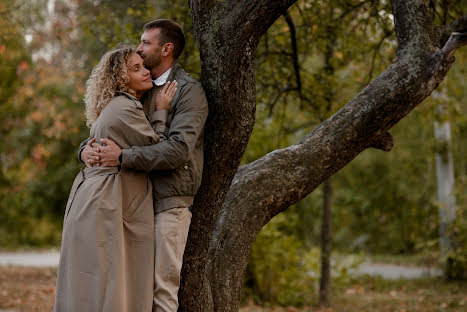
(247, 20)
(413, 24)
(264, 188)
(293, 42)
(459, 25)
(445, 31)
(202, 8)
(384, 142)
(456, 40)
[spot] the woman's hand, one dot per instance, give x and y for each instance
(164, 98)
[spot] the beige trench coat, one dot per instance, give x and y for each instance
(107, 253)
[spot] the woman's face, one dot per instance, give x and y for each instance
(140, 80)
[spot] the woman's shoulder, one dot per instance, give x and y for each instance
(119, 107)
(124, 101)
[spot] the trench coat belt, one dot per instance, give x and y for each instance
(85, 174)
(98, 171)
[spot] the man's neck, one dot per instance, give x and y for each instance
(161, 69)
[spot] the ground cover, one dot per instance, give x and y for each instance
(33, 289)
(376, 294)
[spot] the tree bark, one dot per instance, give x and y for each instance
(228, 33)
(233, 205)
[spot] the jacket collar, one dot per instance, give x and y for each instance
(127, 94)
(175, 68)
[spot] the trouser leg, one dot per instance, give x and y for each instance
(171, 231)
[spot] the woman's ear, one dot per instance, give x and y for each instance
(167, 49)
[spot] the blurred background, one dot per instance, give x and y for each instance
(383, 206)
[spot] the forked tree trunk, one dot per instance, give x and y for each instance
(233, 203)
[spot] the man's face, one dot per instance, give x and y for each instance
(150, 48)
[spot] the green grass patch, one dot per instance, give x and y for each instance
(376, 294)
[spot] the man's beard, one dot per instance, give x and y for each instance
(152, 61)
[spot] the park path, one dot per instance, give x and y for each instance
(392, 271)
(386, 271)
(30, 259)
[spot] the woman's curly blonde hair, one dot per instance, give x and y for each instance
(109, 77)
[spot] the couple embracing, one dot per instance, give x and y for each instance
(127, 217)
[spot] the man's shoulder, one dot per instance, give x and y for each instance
(182, 77)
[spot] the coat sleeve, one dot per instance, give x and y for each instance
(130, 122)
(185, 129)
(81, 148)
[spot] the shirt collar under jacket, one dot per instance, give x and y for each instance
(162, 79)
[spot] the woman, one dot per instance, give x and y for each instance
(107, 253)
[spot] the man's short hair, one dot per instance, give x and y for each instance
(170, 32)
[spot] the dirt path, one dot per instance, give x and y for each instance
(30, 259)
(391, 271)
(387, 271)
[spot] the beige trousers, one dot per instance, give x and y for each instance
(171, 231)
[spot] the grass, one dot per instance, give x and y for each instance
(33, 289)
(376, 294)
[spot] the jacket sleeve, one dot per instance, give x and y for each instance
(158, 120)
(81, 148)
(185, 129)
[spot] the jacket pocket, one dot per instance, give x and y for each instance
(177, 183)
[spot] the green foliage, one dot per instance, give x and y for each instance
(281, 271)
(456, 260)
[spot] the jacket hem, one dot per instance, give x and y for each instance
(172, 202)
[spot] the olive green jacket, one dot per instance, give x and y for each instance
(175, 164)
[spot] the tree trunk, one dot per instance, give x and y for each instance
(326, 230)
(233, 205)
(326, 244)
(446, 196)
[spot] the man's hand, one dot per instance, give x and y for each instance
(88, 154)
(107, 154)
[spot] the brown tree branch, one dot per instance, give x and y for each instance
(202, 8)
(384, 142)
(249, 20)
(264, 188)
(413, 25)
(445, 31)
(224, 225)
(295, 63)
(455, 41)
(459, 25)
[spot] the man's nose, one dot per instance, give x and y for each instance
(139, 49)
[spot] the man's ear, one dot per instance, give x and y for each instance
(167, 49)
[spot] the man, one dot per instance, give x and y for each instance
(175, 165)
